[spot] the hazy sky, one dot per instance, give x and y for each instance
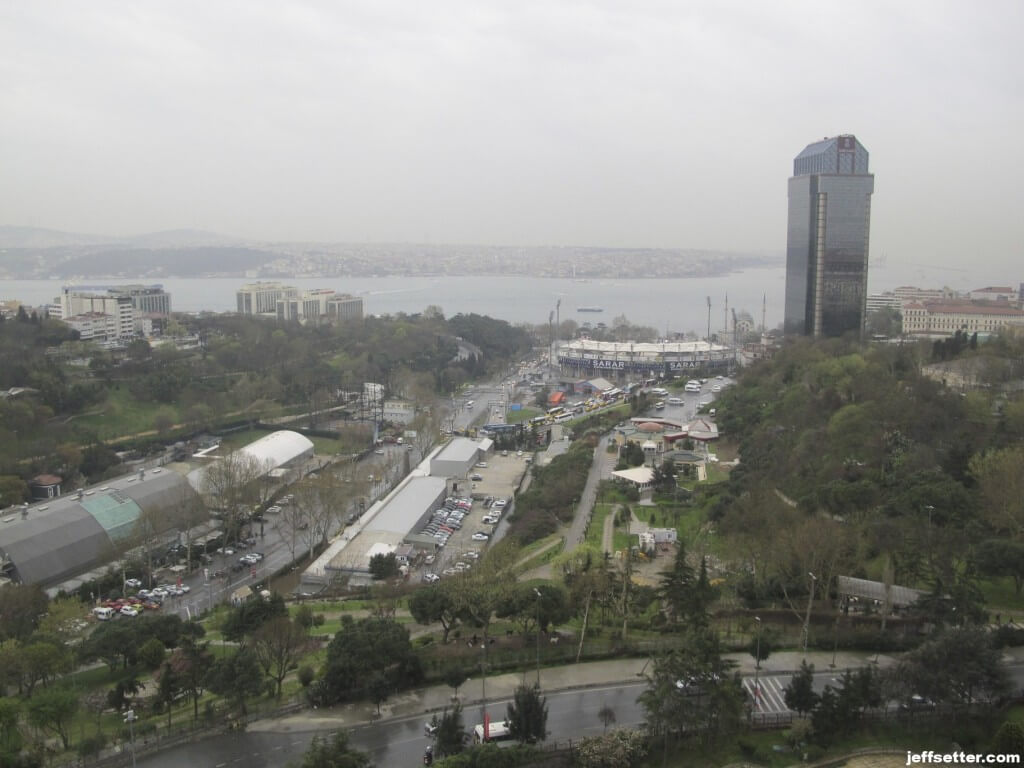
(636, 123)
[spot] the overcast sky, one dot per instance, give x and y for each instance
(640, 123)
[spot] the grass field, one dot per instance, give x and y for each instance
(523, 414)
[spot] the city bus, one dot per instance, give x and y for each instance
(555, 412)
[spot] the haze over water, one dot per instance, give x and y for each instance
(673, 305)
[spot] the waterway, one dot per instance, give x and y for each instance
(667, 304)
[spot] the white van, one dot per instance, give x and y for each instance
(103, 614)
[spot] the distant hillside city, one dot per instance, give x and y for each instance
(28, 254)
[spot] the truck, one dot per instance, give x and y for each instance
(496, 731)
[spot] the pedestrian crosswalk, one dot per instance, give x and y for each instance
(768, 695)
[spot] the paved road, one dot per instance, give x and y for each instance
(398, 742)
(585, 507)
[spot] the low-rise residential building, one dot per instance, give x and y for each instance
(944, 318)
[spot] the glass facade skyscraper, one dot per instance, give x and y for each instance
(827, 238)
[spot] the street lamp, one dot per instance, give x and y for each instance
(129, 717)
(538, 594)
(757, 666)
(807, 617)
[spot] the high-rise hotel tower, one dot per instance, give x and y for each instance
(827, 239)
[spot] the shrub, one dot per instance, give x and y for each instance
(306, 675)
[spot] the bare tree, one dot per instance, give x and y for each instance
(278, 645)
(231, 485)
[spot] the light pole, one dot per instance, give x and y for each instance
(757, 666)
(129, 717)
(807, 617)
(538, 594)
(483, 688)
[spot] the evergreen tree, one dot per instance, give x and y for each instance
(528, 715)
(799, 694)
(450, 738)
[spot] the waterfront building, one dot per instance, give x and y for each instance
(345, 307)
(306, 307)
(944, 318)
(147, 299)
(78, 302)
(261, 298)
(827, 238)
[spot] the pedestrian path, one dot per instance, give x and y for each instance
(768, 694)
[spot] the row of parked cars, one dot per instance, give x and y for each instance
(447, 519)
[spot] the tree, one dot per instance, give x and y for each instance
(799, 694)
(236, 677)
(333, 753)
(231, 485)
(1001, 558)
(527, 715)
(454, 677)
(10, 736)
(450, 736)
(434, 604)
(167, 689)
(21, 608)
(278, 645)
(152, 653)
(53, 710)
(1001, 483)
(607, 716)
(378, 688)
(1009, 740)
(191, 663)
(676, 588)
(362, 648)
(957, 667)
(243, 620)
(120, 696)
(383, 566)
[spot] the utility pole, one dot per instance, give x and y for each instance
(129, 717)
(538, 594)
(757, 666)
(628, 577)
(807, 617)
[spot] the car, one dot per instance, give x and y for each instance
(143, 593)
(379, 451)
(519, 453)
(500, 503)
(257, 555)
(133, 583)
(429, 559)
(477, 477)
(719, 378)
(129, 610)
(158, 592)
(430, 578)
(917, 703)
(716, 388)
(185, 588)
(449, 571)
(274, 509)
(430, 727)
(472, 554)
(504, 453)
(481, 465)
(480, 536)
(489, 520)
(220, 573)
(228, 551)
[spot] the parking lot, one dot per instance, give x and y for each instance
(486, 498)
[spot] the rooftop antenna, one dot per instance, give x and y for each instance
(725, 314)
(708, 337)
(764, 310)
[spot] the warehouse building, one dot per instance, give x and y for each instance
(60, 538)
(458, 457)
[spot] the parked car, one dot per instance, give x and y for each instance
(482, 464)
(489, 520)
(129, 610)
(430, 578)
(480, 536)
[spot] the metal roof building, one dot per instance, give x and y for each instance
(62, 537)
(268, 452)
(456, 458)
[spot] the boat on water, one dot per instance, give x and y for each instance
(590, 309)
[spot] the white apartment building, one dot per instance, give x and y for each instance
(77, 302)
(308, 306)
(399, 411)
(93, 326)
(261, 298)
(944, 318)
(345, 307)
(997, 293)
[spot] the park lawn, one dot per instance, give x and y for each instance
(523, 414)
(534, 554)
(595, 531)
(322, 446)
(121, 415)
(1001, 595)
